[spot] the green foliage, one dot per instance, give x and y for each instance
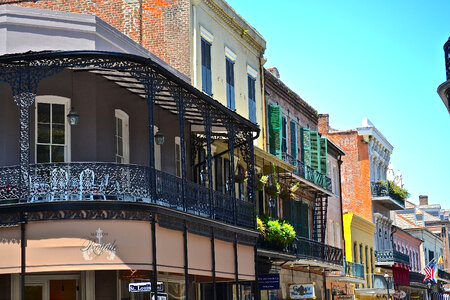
(277, 233)
(395, 190)
(274, 189)
(289, 192)
(261, 182)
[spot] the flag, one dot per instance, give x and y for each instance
(430, 271)
(440, 260)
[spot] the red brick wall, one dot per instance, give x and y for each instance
(355, 173)
(165, 23)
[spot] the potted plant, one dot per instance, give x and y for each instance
(289, 192)
(275, 233)
(241, 176)
(273, 190)
(261, 182)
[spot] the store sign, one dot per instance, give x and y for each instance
(96, 246)
(138, 287)
(269, 282)
(302, 291)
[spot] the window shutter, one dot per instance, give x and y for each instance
(305, 220)
(275, 129)
(323, 156)
(305, 140)
(251, 99)
(314, 138)
(293, 140)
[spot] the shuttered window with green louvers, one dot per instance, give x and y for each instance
(306, 146)
(323, 161)
(293, 128)
(274, 113)
(314, 138)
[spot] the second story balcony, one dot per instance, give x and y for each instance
(307, 172)
(390, 257)
(141, 133)
(382, 194)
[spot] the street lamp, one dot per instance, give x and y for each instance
(387, 278)
(429, 289)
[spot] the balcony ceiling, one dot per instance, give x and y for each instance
(123, 69)
(388, 202)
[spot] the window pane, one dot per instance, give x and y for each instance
(57, 153)
(58, 136)
(43, 153)
(119, 127)
(33, 292)
(119, 146)
(43, 133)
(43, 113)
(58, 113)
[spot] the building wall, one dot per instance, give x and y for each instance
(293, 107)
(430, 242)
(355, 173)
(161, 26)
(409, 245)
(359, 231)
(334, 213)
(203, 16)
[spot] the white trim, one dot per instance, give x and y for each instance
(230, 54)
(252, 72)
(120, 114)
(52, 99)
(208, 36)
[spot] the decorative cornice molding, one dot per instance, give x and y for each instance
(230, 21)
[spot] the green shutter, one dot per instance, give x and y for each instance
(275, 130)
(305, 220)
(293, 140)
(323, 156)
(314, 138)
(305, 141)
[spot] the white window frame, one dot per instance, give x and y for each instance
(176, 159)
(120, 114)
(52, 99)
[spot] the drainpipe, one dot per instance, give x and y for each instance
(262, 61)
(340, 202)
(194, 45)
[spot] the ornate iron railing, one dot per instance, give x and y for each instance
(354, 270)
(307, 172)
(304, 248)
(121, 182)
(391, 256)
(447, 58)
(416, 277)
(380, 190)
(443, 274)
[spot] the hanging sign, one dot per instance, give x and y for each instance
(269, 282)
(399, 294)
(302, 291)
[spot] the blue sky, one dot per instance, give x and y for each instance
(378, 59)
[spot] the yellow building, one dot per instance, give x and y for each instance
(359, 249)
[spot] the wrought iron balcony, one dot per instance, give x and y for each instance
(307, 172)
(305, 248)
(122, 182)
(381, 193)
(388, 257)
(447, 58)
(416, 277)
(443, 274)
(354, 270)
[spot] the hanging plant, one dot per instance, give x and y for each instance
(275, 233)
(241, 176)
(261, 182)
(289, 192)
(274, 189)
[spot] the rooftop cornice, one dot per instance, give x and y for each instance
(228, 15)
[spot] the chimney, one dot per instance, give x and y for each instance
(324, 125)
(423, 200)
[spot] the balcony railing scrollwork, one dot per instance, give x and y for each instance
(380, 190)
(354, 270)
(391, 256)
(307, 172)
(122, 182)
(305, 248)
